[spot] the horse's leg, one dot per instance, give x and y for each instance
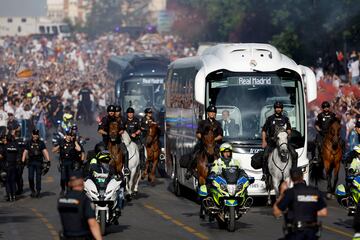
(137, 178)
(336, 175)
(146, 163)
(155, 161)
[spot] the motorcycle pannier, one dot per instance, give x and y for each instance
(257, 159)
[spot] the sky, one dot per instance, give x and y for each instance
(22, 8)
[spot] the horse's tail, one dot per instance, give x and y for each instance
(316, 172)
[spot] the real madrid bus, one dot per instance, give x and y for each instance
(139, 83)
(245, 80)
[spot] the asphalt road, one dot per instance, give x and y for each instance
(155, 214)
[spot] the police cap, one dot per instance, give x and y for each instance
(148, 110)
(35, 132)
(357, 124)
(76, 175)
(296, 174)
(130, 110)
(325, 104)
(110, 108)
(211, 108)
(99, 147)
(278, 104)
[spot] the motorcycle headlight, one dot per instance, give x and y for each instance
(108, 192)
(231, 189)
(94, 192)
(223, 186)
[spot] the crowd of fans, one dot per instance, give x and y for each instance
(41, 79)
(342, 91)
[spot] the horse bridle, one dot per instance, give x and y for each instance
(281, 170)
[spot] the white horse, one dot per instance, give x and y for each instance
(279, 163)
(132, 181)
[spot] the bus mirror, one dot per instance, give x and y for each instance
(200, 86)
(310, 83)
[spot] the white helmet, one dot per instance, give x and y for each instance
(226, 147)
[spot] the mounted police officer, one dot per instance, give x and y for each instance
(36, 151)
(268, 135)
(209, 122)
(146, 121)
(303, 205)
(10, 154)
(114, 115)
(133, 128)
(322, 124)
(77, 212)
(68, 150)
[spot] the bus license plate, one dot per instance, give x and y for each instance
(257, 185)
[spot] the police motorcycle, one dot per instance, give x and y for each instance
(228, 199)
(349, 199)
(59, 135)
(104, 190)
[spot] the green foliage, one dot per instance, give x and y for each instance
(303, 29)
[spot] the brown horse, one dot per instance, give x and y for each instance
(331, 154)
(205, 155)
(113, 147)
(152, 146)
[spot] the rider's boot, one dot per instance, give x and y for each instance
(142, 159)
(264, 170)
(126, 165)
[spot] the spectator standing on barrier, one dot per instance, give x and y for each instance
(304, 205)
(36, 151)
(77, 212)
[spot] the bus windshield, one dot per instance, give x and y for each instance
(247, 99)
(141, 93)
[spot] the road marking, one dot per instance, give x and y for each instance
(338, 231)
(49, 226)
(177, 222)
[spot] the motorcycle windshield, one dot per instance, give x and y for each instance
(231, 174)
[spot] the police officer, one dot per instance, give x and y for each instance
(322, 125)
(268, 135)
(146, 121)
(103, 128)
(77, 212)
(303, 205)
(10, 154)
(80, 156)
(68, 150)
(133, 128)
(209, 122)
(36, 151)
(13, 126)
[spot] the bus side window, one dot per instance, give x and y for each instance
(41, 29)
(55, 30)
(47, 29)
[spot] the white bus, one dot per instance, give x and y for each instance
(246, 80)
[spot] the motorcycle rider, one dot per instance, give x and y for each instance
(68, 150)
(36, 151)
(211, 122)
(278, 119)
(66, 124)
(100, 164)
(133, 128)
(322, 125)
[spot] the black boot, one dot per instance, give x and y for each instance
(142, 159)
(264, 170)
(126, 164)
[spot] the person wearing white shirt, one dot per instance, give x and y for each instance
(3, 120)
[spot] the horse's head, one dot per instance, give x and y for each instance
(334, 133)
(282, 144)
(208, 139)
(113, 131)
(152, 133)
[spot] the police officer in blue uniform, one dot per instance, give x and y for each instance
(146, 121)
(268, 135)
(209, 122)
(322, 124)
(133, 128)
(36, 151)
(304, 205)
(68, 149)
(77, 212)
